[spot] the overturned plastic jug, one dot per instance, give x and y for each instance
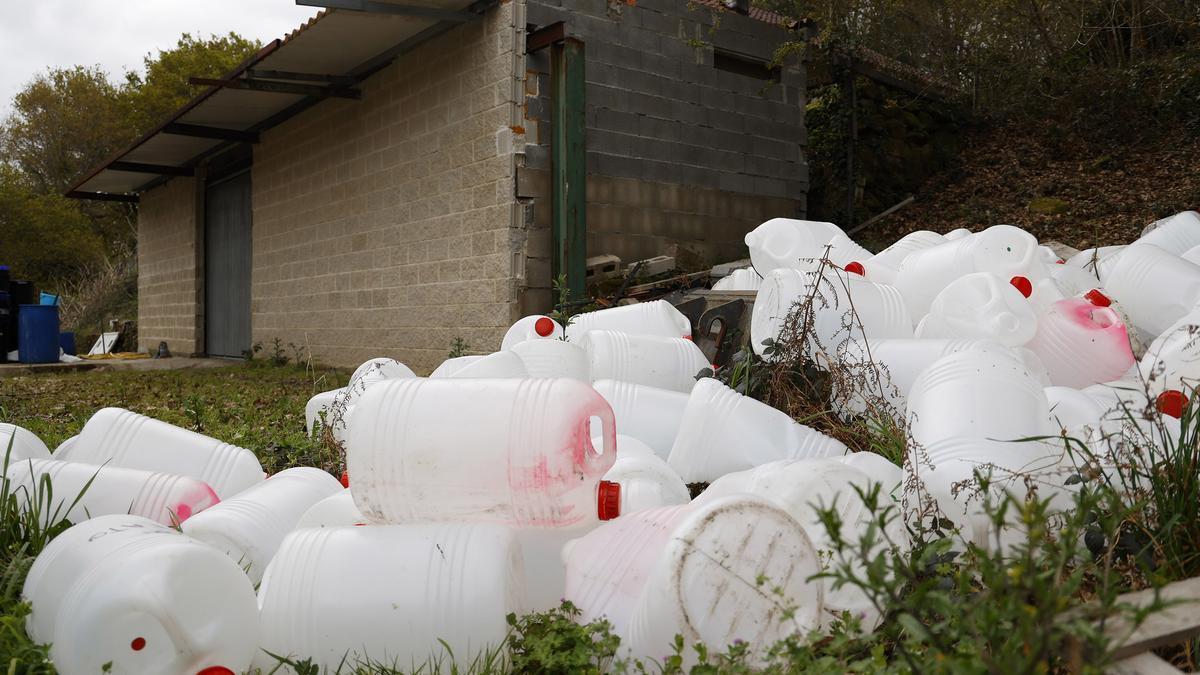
(658, 317)
(498, 365)
(531, 328)
(1082, 344)
(505, 451)
(554, 358)
(120, 438)
(694, 570)
(883, 266)
(981, 306)
(18, 443)
(336, 510)
(744, 279)
(123, 594)
(786, 243)
(667, 363)
(649, 414)
(391, 595)
(250, 526)
(647, 482)
(79, 491)
(723, 431)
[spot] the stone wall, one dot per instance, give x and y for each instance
(169, 290)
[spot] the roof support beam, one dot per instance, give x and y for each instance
(390, 8)
(544, 37)
(102, 196)
(336, 80)
(138, 167)
(273, 87)
(198, 131)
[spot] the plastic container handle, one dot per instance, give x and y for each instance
(595, 462)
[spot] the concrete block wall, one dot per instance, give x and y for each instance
(679, 152)
(169, 290)
(383, 227)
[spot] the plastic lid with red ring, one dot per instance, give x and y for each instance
(1022, 284)
(608, 500)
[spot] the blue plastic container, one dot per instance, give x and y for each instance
(38, 331)
(48, 298)
(66, 340)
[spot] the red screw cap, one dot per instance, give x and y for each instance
(216, 670)
(608, 500)
(1172, 402)
(856, 268)
(1022, 284)
(345, 479)
(1097, 298)
(544, 326)
(1060, 261)
(138, 644)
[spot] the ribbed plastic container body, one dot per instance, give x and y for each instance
(1071, 408)
(25, 444)
(745, 279)
(369, 373)
(881, 471)
(1155, 287)
(535, 327)
(321, 403)
(336, 510)
(843, 250)
(514, 452)
(1172, 361)
(388, 594)
(646, 483)
(883, 266)
(666, 363)
(650, 414)
(554, 358)
(1074, 280)
(162, 497)
(977, 394)
(723, 431)
(1082, 344)
(871, 310)
(958, 233)
(250, 526)
(545, 570)
(691, 570)
(1176, 234)
(125, 591)
(980, 306)
(37, 333)
(785, 243)
(802, 488)
(1097, 261)
(116, 437)
(1003, 250)
(498, 365)
(658, 317)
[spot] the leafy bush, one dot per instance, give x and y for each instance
(552, 643)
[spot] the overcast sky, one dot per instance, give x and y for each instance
(116, 34)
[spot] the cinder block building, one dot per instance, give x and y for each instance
(389, 176)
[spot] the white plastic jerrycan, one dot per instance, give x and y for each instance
(1003, 250)
(554, 358)
(981, 306)
(321, 407)
(505, 451)
(958, 233)
(657, 317)
(120, 438)
(844, 251)
(803, 488)
(785, 243)
(744, 279)
(846, 306)
(498, 365)
(883, 266)
(730, 569)
(977, 394)
(663, 362)
(336, 510)
(1192, 255)
(1082, 344)
(1175, 234)
(646, 482)
(1074, 280)
(250, 526)
(649, 414)
(531, 328)
(1155, 287)
(395, 595)
(79, 491)
(141, 597)
(723, 431)
(1172, 361)
(1071, 408)
(24, 444)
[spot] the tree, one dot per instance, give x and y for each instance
(164, 87)
(46, 237)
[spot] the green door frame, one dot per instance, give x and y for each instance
(568, 163)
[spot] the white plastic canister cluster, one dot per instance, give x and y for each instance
(723, 431)
(786, 243)
(506, 451)
(250, 526)
(120, 438)
(663, 362)
(649, 414)
(692, 570)
(390, 594)
(79, 491)
(980, 306)
(141, 597)
(658, 318)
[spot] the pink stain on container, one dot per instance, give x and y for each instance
(1082, 344)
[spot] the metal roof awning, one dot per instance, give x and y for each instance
(326, 57)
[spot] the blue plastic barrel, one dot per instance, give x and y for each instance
(66, 340)
(38, 331)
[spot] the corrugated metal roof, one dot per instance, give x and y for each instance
(335, 42)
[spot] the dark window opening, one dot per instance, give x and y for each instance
(747, 66)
